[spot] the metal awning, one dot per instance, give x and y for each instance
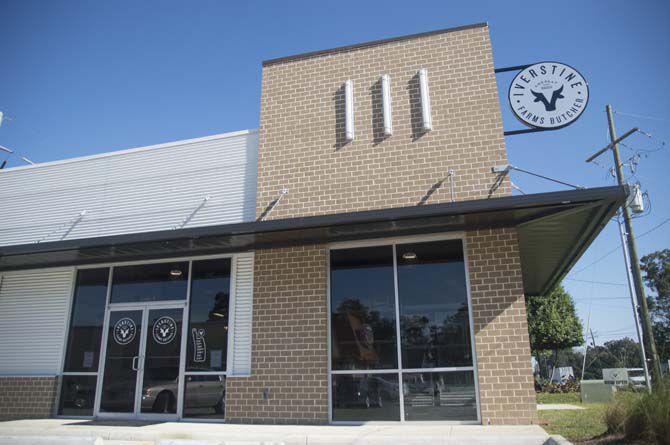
(554, 230)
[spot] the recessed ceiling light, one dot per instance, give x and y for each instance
(409, 256)
(175, 273)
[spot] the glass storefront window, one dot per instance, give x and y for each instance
(150, 282)
(88, 313)
(82, 353)
(205, 396)
(362, 302)
(439, 396)
(365, 397)
(426, 283)
(208, 319)
(434, 320)
(77, 395)
(145, 340)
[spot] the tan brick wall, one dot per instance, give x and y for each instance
(506, 389)
(302, 148)
(301, 134)
(289, 345)
(27, 397)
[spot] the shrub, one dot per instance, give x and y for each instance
(544, 385)
(642, 416)
(617, 411)
(651, 416)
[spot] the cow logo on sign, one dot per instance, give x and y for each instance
(548, 95)
(164, 330)
(124, 331)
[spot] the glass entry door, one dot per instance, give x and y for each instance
(124, 337)
(160, 367)
(142, 362)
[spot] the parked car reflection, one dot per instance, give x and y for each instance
(369, 392)
(365, 396)
(204, 394)
(78, 394)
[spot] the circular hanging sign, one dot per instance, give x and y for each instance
(548, 95)
(164, 330)
(124, 331)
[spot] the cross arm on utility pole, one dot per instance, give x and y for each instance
(612, 144)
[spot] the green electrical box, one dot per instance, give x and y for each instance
(597, 391)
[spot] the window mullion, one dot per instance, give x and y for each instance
(401, 397)
(185, 319)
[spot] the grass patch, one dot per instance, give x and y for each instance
(568, 397)
(575, 425)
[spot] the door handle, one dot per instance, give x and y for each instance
(134, 365)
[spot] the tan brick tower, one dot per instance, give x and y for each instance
(302, 147)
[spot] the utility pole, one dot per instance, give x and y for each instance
(649, 343)
(636, 314)
(586, 342)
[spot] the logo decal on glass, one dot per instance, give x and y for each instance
(124, 331)
(199, 345)
(164, 330)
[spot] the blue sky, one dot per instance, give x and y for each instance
(80, 78)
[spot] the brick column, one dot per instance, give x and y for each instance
(506, 388)
(289, 347)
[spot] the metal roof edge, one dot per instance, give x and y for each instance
(125, 151)
(610, 193)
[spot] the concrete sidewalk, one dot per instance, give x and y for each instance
(178, 433)
(558, 406)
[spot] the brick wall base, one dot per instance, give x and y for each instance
(27, 397)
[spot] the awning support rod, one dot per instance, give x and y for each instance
(504, 169)
(272, 205)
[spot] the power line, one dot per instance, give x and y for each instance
(610, 305)
(10, 152)
(609, 298)
(653, 228)
(618, 247)
(595, 282)
(640, 116)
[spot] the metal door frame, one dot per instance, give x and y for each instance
(144, 307)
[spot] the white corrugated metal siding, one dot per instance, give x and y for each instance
(142, 190)
(33, 317)
(240, 360)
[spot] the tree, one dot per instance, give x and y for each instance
(626, 353)
(553, 323)
(621, 353)
(656, 268)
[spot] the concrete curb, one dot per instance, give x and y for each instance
(57, 439)
(60, 431)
